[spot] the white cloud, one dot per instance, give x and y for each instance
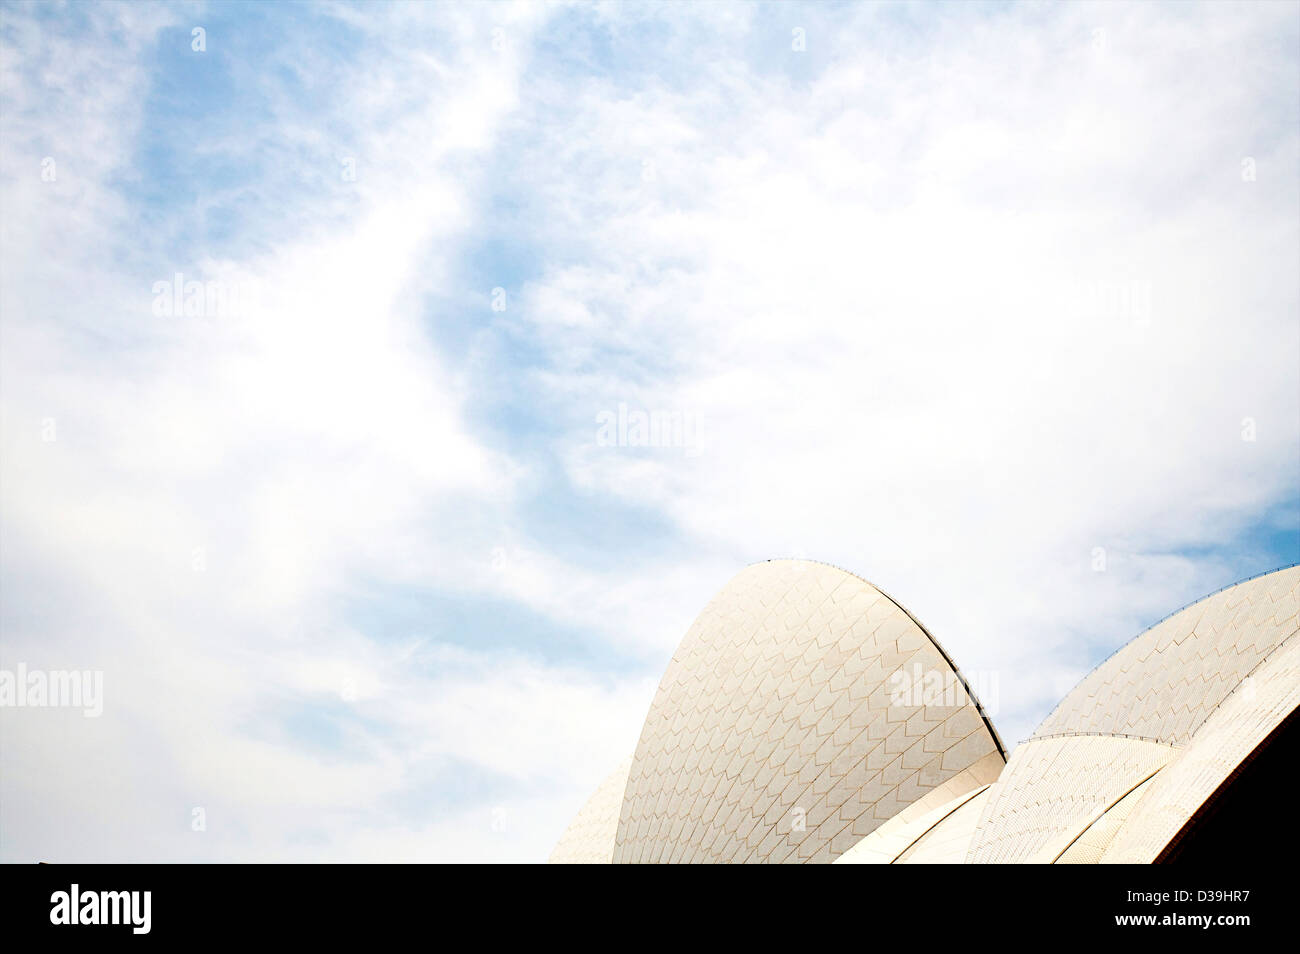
(954, 313)
(216, 482)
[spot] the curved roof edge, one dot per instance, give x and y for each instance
(591, 834)
(1168, 616)
(970, 693)
(1053, 789)
(1234, 734)
(888, 845)
(764, 624)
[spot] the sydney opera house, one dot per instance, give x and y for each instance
(790, 727)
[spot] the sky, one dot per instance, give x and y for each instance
(384, 389)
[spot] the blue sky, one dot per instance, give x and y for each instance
(956, 296)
